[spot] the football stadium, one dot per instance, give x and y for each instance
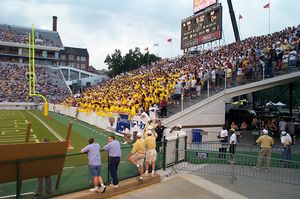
(200, 117)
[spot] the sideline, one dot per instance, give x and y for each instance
(48, 127)
(22, 194)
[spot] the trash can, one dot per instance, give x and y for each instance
(197, 135)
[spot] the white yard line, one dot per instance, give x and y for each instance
(10, 196)
(68, 167)
(13, 128)
(48, 127)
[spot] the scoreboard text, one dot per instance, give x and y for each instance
(205, 26)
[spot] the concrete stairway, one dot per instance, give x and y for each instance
(124, 186)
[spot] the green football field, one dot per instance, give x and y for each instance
(13, 126)
(75, 176)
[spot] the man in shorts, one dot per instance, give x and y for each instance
(137, 154)
(150, 144)
(93, 152)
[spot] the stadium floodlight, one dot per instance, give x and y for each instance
(31, 71)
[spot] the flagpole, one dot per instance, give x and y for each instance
(239, 24)
(171, 48)
(269, 19)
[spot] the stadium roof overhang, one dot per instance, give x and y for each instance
(21, 45)
(22, 56)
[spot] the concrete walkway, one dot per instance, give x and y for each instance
(182, 186)
(194, 185)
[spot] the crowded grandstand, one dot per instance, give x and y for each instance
(239, 62)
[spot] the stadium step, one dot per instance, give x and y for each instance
(124, 186)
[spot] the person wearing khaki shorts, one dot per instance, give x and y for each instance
(137, 154)
(150, 144)
(266, 143)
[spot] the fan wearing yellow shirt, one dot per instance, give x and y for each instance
(150, 144)
(137, 154)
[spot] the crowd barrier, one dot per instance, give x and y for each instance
(18, 106)
(75, 175)
(107, 123)
(211, 162)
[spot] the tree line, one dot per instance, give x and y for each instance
(132, 60)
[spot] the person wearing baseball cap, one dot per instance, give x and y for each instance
(150, 144)
(137, 154)
(266, 143)
(286, 142)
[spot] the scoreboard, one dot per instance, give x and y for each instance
(203, 27)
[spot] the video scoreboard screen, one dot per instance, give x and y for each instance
(201, 4)
(203, 27)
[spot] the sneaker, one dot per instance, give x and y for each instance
(103, 188)
(95, 189)
(138, 166)
(146, 173)
(115, 186)
(257, 168)
(266, 170)
(152, 174)
(141, 180)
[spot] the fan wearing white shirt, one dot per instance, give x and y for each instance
(223, 139)
(232, 147)
(286, 142)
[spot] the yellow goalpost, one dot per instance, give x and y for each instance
(32, 76)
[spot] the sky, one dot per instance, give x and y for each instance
(102, 26)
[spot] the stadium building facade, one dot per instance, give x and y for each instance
(14, 45)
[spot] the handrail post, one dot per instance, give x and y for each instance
(164, 152)
(176, 153)
(18, 182)
(185, 148)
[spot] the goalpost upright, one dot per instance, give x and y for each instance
(32, 76)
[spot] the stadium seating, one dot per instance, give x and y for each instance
(15, 88)
(16, 34)
(243, 62)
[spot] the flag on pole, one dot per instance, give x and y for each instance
(156, 44)
(169, 40)
(240, 16)
(146, 49)
(267, 5)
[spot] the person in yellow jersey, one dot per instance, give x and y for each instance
(137, 154)
(266, 143)
(150, 144)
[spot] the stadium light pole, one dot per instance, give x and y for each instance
(233, 21)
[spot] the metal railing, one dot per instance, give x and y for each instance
(170, 153)
(75, 176)
(239, 165)
(210, 87)
(246, 149)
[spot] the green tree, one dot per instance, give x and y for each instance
(131, 61)
(115, 63)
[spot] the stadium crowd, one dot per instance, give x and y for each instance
(15, 87)
(12, 34)
(150, 86)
